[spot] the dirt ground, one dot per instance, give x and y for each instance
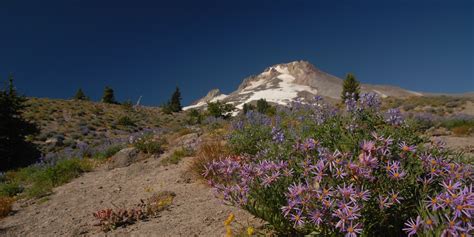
(194, 212)
(68, 212)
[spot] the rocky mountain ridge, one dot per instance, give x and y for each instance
(283, 83)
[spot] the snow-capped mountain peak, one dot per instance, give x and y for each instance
(284, 83)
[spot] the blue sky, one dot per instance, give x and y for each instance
(149, 47)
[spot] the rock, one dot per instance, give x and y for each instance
(55, 141)
(124, 158)
(190, 141)
(436, 132)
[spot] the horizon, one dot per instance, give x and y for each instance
(148, 48)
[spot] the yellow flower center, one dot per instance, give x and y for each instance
(250, 230)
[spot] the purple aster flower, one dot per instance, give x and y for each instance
(288, 172)
(395, 197)
(368, 160)
(425, 180)
(269, 179)
(309, 144)
(298, 218)
(412, 226)
(429, 224)
(287, 209)
(363, 195)
(327, 203)
(397, 174)
(340, 173)
(343, 219)
(316, 217)
(352, 212)
(392, 165)
(453, 227)
(368, 146)
(353, 230)
(449, 186)
(434, 203)
(347, 192)
(295, 190)
(406, 148)
(384, 202)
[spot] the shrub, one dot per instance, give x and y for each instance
(315, 170)
(127, 105)
(177, 155)
(10, 189)
(108, 152)
(194, 117)
(220, 110)
(126, 121)
(149, 145)
(5, 206)
(246, 139)
(247, 107)
(39, 180)
(458, 120)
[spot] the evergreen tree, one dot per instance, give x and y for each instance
(175, 102)
(15, 151)
(219, 109)
(262, 106)
(247, 107)
(109, 96)
(350, 87)
(80, 95)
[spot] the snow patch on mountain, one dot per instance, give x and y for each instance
(285, 92)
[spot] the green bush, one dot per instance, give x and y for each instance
(126, 121)
(40, 180)
(149, 145)
(220, 110)
(194, 117)
(109, 152)
(322, 172)
(177, 155)
(10, 189)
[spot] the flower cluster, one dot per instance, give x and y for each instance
(315, 170)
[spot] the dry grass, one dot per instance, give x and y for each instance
(462, 130)
(207, 152)
(5, 206)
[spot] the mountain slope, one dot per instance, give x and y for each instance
(283, 83)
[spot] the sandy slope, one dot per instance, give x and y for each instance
(195, 211)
